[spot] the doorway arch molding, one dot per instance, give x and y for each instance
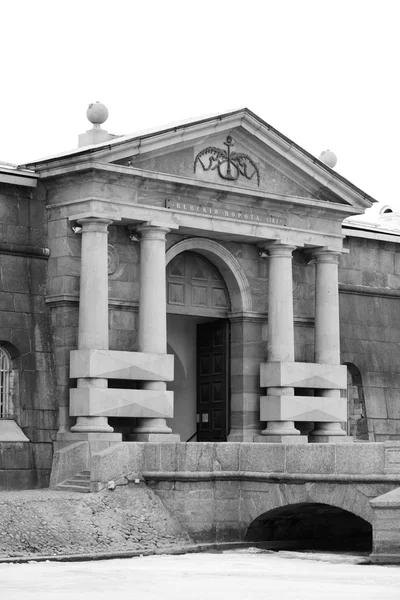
(229, 267)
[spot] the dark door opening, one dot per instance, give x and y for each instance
(212, 381)
(311, 526)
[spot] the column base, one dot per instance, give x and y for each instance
(330, 439)
(97, 441)
(280, 439)
(154, 437)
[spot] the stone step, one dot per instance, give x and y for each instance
(63, 487)
(76, 482)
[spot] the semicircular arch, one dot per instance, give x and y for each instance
(229, 267)
(346, 497)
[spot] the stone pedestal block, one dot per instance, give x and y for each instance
(303, 408)
(303, 375)
(113, 364)
(112, 402)
(330, 439)
(280, 439)
(154, 437)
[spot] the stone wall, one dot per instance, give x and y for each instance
(370, 329)
(25, 332)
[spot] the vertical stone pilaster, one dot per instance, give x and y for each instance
(280, 335)
(247, 350)
(327, 332)
(152, 335)
(93, 308)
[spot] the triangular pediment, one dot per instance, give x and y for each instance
(236, 150)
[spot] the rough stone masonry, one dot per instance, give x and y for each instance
(46, 523)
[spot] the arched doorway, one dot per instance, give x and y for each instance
(311, 526)
(198, 303)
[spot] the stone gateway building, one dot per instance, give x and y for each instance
(201, 283)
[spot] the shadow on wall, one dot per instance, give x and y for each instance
(311, 526)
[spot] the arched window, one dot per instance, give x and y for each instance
(357, 424)
(5, 384)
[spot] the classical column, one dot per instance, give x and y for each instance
(280, 332)
(152, 334)
(327, 331)
(93, 308)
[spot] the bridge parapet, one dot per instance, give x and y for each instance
(363, 461)
(216, 490)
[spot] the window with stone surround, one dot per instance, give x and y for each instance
(6, 409)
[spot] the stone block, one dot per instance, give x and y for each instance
(262, 458)
(392, 457)
(65, 246)
(168, 457)
(303, 408)
(43, 455)
(171, 438)
(151, 456)
(330, 439)
(23, 479)
(195, 457)
(227, 510)
(303, 375)
(7, 301)
(226, 489)
(360, 458)
(15, 273)
(112, 364)
(310, 459)
(113, 402)
(122, 319)
(226, 457)
(280, 439)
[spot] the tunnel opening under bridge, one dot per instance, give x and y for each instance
(311, 526)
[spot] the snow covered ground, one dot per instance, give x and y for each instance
(235, 575)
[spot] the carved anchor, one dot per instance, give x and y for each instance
(229, 164)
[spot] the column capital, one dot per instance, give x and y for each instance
(323, 255)
(94, 224)
(277, 249)
(150, 231)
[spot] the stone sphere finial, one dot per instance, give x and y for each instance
(329, 158)
(97, 113)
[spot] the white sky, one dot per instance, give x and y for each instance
(325, 74)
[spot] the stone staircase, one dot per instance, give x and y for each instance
(78, 483)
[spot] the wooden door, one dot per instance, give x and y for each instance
(212, 381)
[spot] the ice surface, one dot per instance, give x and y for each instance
(235, 575)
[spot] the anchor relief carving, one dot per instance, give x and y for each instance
(230, 165)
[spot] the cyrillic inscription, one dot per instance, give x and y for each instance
(226, 213)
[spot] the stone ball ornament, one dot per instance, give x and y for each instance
(97, 113)
(328, 157)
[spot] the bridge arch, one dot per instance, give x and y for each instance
(311, 526)
(343, 496)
